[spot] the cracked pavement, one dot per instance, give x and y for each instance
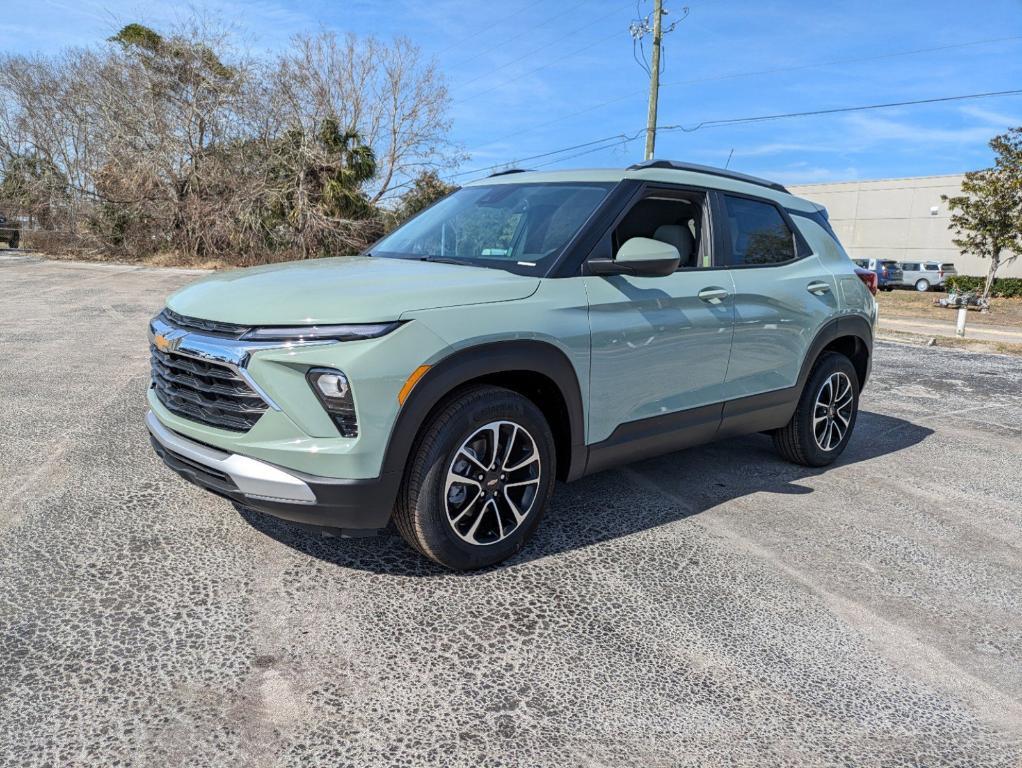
(711, 607)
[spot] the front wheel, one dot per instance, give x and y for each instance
(479, 479)
(922, 285)
(825, 416)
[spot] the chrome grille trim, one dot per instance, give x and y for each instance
(205, 391)
(204, 365)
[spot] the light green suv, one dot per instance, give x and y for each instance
(528, 328)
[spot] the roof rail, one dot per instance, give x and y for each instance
(505, 173)
(707, 169)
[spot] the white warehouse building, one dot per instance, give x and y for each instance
(900, 219)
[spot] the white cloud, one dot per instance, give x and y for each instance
(871, 129)
(812, 174)
(997, 120)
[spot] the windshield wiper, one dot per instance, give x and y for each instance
(450, 260)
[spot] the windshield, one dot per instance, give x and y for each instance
(517, 227)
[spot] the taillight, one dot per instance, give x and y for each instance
(868, 278)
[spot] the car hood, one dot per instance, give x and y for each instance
(350, 289)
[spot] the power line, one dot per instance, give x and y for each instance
(776, 70)
(548, 64)
(536, 157)
(607, 142)
(619, 142)
(765, 118)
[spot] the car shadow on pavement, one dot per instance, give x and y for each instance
(604, 506)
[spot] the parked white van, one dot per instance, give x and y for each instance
(923, 275)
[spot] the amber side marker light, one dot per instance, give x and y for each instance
(406, 390)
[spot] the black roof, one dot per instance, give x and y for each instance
(707, 169)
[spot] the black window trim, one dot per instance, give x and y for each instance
(801, 247)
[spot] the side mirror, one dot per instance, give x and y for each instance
(639, 256)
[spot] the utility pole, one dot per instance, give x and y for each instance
(639, 28)
(654, 78)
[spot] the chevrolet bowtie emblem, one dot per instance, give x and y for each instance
(165, 343)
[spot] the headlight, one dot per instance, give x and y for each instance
(349, 332)
(334, 393)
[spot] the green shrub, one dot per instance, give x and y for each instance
(1005, 287)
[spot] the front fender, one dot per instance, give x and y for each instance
(480, 361)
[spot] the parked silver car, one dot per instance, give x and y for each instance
(924, 275)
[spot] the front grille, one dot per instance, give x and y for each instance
(205, 391)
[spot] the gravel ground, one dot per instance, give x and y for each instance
(712, 607)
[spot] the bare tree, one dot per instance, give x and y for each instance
(179, 142)
(390, 94)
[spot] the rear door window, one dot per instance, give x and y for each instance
(759, 234)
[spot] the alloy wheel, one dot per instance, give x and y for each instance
(832, 413)
(492, 483)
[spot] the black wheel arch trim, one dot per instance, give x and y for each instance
(653, 436)
(479, 361)
(846, 325)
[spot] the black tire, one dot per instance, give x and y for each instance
(922, 285)
(426, 506)
(798, 441)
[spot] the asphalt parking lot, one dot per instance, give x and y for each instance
(715, 606)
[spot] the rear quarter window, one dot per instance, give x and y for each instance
(759, 234)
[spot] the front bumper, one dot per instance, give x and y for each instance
(356, 507)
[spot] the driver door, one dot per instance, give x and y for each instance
(660, 345)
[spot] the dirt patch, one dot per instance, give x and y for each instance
(1006, 312)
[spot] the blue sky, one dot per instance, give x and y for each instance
(528, 77)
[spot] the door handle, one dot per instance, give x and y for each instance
(712, 295)
(818, 287)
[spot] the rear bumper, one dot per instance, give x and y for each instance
(353, 506)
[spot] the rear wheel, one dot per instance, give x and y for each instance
(922, 285)
(825, 416)
(479, 479)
